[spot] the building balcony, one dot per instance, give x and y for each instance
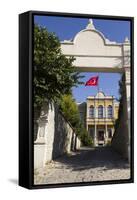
(93, 120)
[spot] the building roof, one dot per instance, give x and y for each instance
(100, 95)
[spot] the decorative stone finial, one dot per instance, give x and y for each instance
(91, 21)
(126, 40)
(90, 25)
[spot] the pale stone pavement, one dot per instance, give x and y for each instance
(87, 164)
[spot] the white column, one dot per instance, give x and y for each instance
(87, 127)
(105, 111)
(106, 134)
(126, 65)
(128, 92)
(96, 112)
(113, 109)
(95, 135)
(112, 129)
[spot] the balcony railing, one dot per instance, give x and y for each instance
(101, 119)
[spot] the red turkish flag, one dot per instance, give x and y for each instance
(92, 81)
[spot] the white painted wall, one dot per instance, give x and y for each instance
(49, 135)
(54, 137)
(43, 146)
(95, 52)
(90, 42)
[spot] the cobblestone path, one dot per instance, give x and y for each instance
(87, 164)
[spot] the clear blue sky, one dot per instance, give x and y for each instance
(108, 83)
(66, 28)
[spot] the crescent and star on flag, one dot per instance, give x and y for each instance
(93, 81)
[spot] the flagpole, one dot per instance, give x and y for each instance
(94, 81)
(98, 83)
(98, 94)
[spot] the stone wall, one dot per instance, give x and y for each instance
(63, 135)
(55, 136)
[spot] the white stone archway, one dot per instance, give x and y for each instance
(95, 53)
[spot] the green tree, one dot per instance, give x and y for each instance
(121, 95)
(70, 110)
(54, 77)
(54, 74)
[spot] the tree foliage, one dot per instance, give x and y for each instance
(54, 77)
(121, 96)
(54, 74)
(70, 110)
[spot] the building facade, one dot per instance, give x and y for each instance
(101, 114)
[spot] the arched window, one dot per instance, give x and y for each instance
(91, 112)
(100, 111)
(110, 111)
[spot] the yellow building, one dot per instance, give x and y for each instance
(101, 113)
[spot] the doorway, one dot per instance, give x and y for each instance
(101, 137)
